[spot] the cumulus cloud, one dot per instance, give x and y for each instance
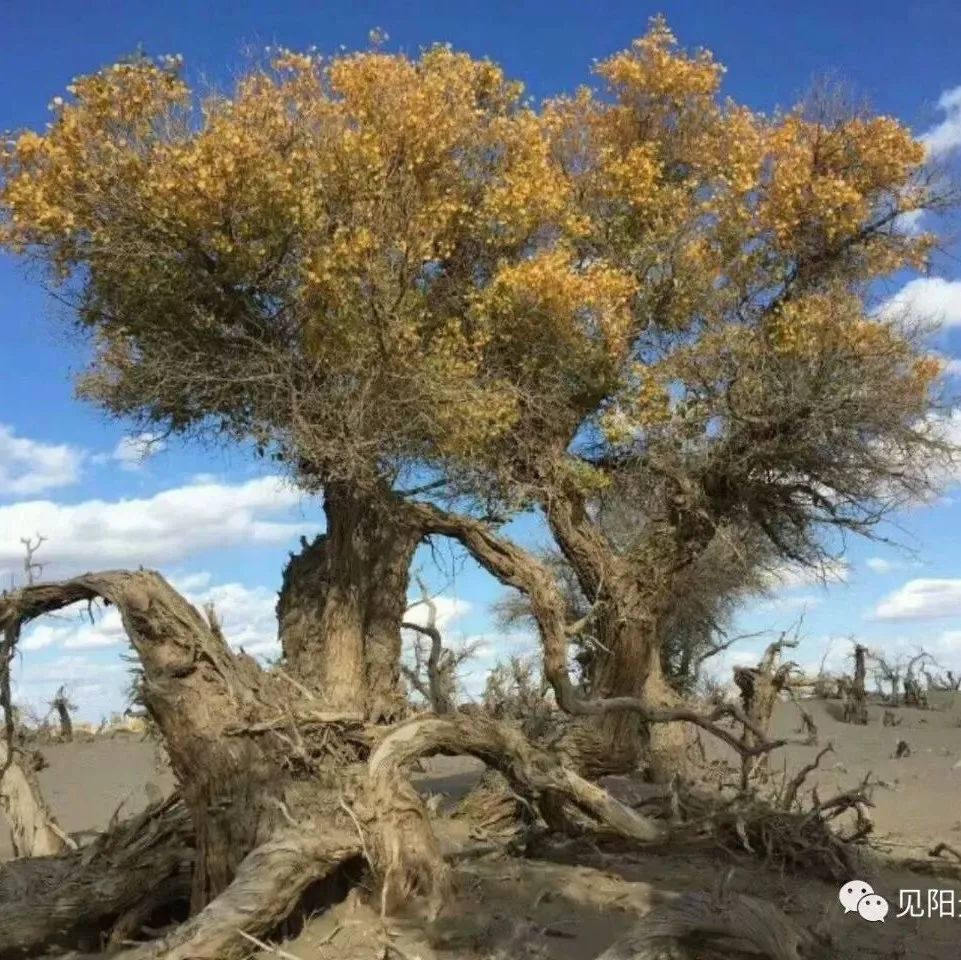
(161, 529)
(945, 137)
(930, 299)
(97, 688)
(922, 599)
(28, 467)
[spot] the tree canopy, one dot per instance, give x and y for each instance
(372, 260)
(642, 308)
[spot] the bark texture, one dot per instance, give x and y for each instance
(197, 691)
(701, 926)
(404, 846)
(268, 885)
(342, 602)
(69, 900)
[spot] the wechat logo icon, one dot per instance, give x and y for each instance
(858, 896)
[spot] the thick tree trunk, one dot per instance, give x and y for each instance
(343, 600)
(621, 742)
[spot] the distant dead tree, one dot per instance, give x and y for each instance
(434, 671)
(856, 699)
(914, 694)
(61, 703)
(32, 570)
(944, 682)
(901, 675)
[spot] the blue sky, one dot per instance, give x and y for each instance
(213, 521)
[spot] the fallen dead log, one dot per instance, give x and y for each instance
(267, 887)
(702, 926)
(72, 899)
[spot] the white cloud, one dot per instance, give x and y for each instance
(28, 467)
(97, 688)
(161, 529)
(133, 452)
(246, 614)
(449, 611)
(931, 299)
(880, 565)
(945, 137)
(922, 599)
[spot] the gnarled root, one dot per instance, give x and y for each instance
(269, 883)
(70, 899)
(491, 806)
(701, 926)
(404, 847)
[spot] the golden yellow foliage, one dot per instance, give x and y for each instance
(452, 259)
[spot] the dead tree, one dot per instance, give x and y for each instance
(32, 570)
(856, 702)
(914, 693)
(947, 681)
(61, 703)
(889, 673)
(434, 672)
(760, 688)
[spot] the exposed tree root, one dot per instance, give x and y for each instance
(269, 883)
(943, 861)
(701, 926)
(492, 806)
(71, 899)
(403, 845)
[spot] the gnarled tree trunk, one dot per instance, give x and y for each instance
(199, 693)
(342, 602)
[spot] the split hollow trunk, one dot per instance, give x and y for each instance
(33, 829)
(343, 601)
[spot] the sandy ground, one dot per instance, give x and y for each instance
(515, 909)
(85, 783)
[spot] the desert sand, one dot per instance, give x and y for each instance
(573, 910)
